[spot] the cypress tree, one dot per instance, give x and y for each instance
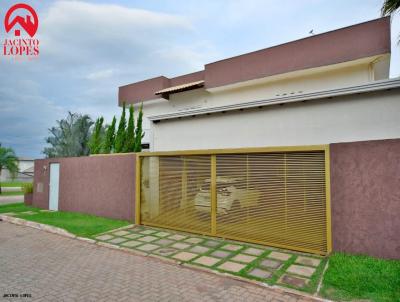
(139, 134)
(109, 139)
(130, 132)
(95, 139)
(121, 133)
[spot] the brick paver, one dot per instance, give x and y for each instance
(131, 243)
(279, 256)
(211, 243)
(55, 268)
(271, 264)
(117, 240)
(121, 233)
(231, 266)
(294, 281)
(104, 237)
(244, 258)
(253, 251)
(231, 247)
(301, 270)
(260, 273)
(308, 261)
(207, 261)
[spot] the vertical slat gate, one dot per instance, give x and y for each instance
(274, 198)
(277, 198)
(169, 187)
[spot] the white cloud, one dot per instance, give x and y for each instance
(72, 31)
(101, 74)
(89, 49)
(86, 51)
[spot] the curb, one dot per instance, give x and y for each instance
(36, 225)
(317, 292)
(62, 232)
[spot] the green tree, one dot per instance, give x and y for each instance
(9, 161)
(97, 135)
(121, 133)
(109, 139)
(139, 134)
(69, 137)
(130, 132)
(389, 7)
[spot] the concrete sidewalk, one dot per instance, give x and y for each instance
(49, 267)
(11, 189)
(11, 199)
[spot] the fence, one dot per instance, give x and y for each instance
(365, 194)
(101, 185)
(273, 196)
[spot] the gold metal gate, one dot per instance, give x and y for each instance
(278, 196)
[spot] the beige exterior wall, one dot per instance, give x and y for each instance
(367, 116)
(291, 84)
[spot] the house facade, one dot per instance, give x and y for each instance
(294, 146)
(308, 129)
(327, 88)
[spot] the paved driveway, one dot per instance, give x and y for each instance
(53, 268)
(11, 199)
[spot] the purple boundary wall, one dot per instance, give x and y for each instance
(100, 185)
(365, 192)
(365, 197)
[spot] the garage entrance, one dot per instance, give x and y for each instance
(271, 196)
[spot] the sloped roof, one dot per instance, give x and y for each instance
(180, 88)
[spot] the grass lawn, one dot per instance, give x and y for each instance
(76, 223)
(11, 193)
(351, 277)
(11, 184)
(16, 208)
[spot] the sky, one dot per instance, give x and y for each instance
(90, 48)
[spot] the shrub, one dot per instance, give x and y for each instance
(97, 137)
(121, 133)
(130, 132)
(108, 143)
(139, 134)
(27, 188)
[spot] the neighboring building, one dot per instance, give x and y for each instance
(327, 88)
(25, 171)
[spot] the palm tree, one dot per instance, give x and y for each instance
(9, 161)
(389, 7)
(70, 137)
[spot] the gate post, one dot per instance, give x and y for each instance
(213, 189)
(137, 193)
(328, 199)
(184, 187)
